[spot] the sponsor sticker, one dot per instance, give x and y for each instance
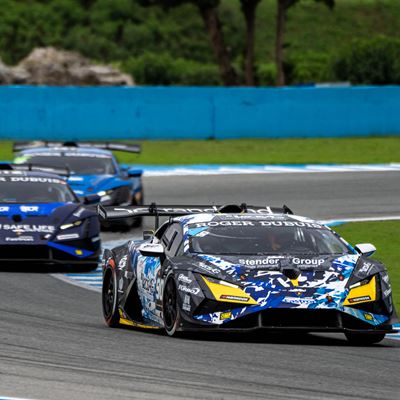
(20, 239)
(368, 317)
(208, 268)
(27, 228)
(186, 289)
(361, 298)
(183, 278)
(259, 262)
(366, 268)
(225, 315)
(297, 301)
(234, 298)
(307, 261)
(29, 209)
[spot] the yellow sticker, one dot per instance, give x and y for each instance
(225, 315)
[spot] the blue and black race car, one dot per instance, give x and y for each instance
(236, 268)
(42, 221)
(93, 169)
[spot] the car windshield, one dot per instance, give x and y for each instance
(262, 237)
(35, 192)
(81, 165)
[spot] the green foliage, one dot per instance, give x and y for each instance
(370, 61)
(266, 74)
(163, 69)
(308, 68)
(124, 32)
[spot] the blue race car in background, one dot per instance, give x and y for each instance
(42, 221)
(93, 169)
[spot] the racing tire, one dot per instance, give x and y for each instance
(171, 314)
(364, 339)
(110, 298)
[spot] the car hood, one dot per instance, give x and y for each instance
(90, 184)
(302, 281)
(36, 222)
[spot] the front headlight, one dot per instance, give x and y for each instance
(362, 291)
(227, 292)
(105, 195)
(71, 225)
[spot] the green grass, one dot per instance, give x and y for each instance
(386, 238)
(259, 151)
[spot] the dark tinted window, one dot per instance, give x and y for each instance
(78, 165)
(257, 239)
(35, 192)
(172, 239)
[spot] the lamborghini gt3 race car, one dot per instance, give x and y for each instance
(244, 268)
(43, 222)
(93, 169)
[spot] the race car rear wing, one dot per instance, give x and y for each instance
(35, 168)
(126, 147)
(154, 210)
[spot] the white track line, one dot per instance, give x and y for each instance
(185, 170)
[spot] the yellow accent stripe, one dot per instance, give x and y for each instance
(362, 294)
(228, 294)
(128, 322)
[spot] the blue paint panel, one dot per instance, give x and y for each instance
(93, 113)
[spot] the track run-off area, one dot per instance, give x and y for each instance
(54, 344)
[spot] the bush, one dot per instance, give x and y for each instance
(163, 69)
(309, 67)
(266, 74)
(370, 61)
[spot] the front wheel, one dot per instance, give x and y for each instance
(171, 314)
(364, 339)
(110, 298)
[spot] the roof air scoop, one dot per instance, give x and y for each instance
(232, 208)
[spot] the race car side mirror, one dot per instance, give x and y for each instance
(91, 199)
(365, 249)
(151, 250)
(134, 173)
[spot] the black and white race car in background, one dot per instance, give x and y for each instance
(42, 221)
(243, 268)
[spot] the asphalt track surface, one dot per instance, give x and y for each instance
(54, 344)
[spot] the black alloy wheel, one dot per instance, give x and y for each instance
(110, 298)
(170, 307)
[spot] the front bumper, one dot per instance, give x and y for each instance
(46, 254)
(284, 319)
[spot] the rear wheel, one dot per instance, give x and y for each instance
(364, 339)
(170, 307)
(110, 298)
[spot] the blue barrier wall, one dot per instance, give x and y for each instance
(186, 112)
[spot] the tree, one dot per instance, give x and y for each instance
(281, 18)
(249, 10)
(209, 12)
